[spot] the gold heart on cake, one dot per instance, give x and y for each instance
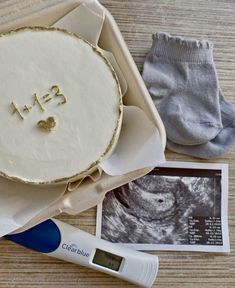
(47, 125)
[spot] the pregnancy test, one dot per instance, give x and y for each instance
(57, 239)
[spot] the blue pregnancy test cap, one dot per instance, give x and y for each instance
(44, 237)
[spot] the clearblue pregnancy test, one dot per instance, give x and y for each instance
(57, 239)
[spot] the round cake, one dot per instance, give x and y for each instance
(60, 106)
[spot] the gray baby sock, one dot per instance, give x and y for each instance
(181, 78)
(220, 144)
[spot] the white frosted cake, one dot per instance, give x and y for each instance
(60, 106)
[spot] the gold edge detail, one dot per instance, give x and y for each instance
(120, 109)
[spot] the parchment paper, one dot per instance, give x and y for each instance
(20, 202)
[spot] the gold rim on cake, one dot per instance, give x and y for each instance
(116, 131)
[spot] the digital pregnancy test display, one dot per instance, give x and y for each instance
(107, 260)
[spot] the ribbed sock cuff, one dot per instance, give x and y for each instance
(181, 49)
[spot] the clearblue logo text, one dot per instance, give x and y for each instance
(73, 248)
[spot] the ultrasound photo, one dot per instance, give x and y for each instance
(174, 208)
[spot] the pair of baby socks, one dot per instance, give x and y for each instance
(181, 78)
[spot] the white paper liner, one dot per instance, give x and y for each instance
(84, 21)
(139, 146)
(20, 202)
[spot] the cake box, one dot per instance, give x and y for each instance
(81, 196)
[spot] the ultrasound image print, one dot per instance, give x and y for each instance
(167, 206)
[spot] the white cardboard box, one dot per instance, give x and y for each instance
(14, 13)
